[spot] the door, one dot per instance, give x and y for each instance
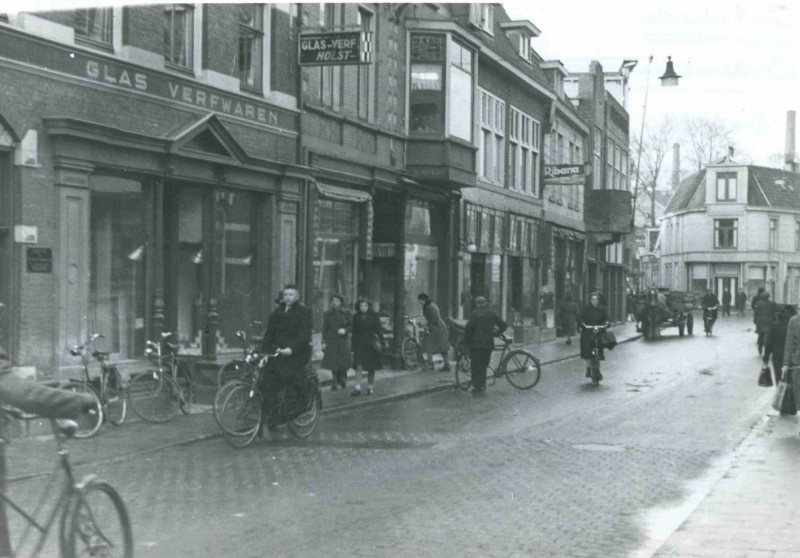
(730, 284)
(73, 271)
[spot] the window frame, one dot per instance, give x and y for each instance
(493, 127)
(773, 234)
(188, 65)
(106, 44)
(259, 34)
(734, 240)
(467, 66)
(524, 150)
(726, 179)
(366, 76)
(434, 57)
(797, 236)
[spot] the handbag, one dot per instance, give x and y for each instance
(609, 340)
(783, 401)
(375, 343)
(765, 378)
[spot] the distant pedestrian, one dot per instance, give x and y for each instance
(630, 306)
(766, 312)
(775, 344)
(569, 318)
(479, 333)
(726, 302)
(337, 323)
(755, 301)
(791, 356)
(741, 301)
(368, 344)
(436, 342)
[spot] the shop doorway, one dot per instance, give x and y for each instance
(730, 284)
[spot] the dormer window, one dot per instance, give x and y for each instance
(525, 47)
(726, 186)
(520, 33)
(482, 17)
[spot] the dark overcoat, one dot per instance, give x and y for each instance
(591, 316)
(437, 341)
(766, 313)
(366, 327)
(337, 346)
(289, 329)
(481, 329)
(775, 344)
(569, 317)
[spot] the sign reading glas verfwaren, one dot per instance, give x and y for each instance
(335, 48)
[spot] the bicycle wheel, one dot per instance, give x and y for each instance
(88, 423)
(303, 426)
(96, 524)
(184, 380)
(521, 369)
(116, 403)
(463, 372)
(154, 396)
(240, 417)
(234, 370)
(595, 370)
(411, 353)
(219, 399)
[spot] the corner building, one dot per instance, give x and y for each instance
(149, 177)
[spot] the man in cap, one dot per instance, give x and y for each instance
(481, 329)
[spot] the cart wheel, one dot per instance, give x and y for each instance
(689, 324)
(681, 325)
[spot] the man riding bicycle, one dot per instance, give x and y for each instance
(710, 303)
(289, 334)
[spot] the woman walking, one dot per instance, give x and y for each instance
(569, 318)
(775, 345)
(337, 323)
(593, 315)
(437, 341)
(368, 344)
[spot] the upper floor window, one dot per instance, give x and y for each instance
(427, 99)
(491, 155)
(94, 25)
(726, 233)
(482, 16)
(797, 236)
(331, 17)
(251, 45)
(773, 234)
(178, 34)
(525, 49)
(597, 145)
(365, 19)
(460, 89)
(523, 152)
(726, 186)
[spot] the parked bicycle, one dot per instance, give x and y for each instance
(162, 393)
(108, 387)
(411, 347)
(92, 517)
(519, 367)
(242, 416)
(597, 351)
(244, 372)
(237, 369)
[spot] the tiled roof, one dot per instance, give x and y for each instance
(773, 187)
(686, 194)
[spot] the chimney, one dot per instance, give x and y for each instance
(676, 165)
(789, 163)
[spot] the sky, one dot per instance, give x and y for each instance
(739, 60)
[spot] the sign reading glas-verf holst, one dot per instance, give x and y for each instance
(335, 48)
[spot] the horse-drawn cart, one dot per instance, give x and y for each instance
(656, 310)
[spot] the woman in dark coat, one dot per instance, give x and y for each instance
(569, 318)
(367, 333)
(593, 315)
(337, 323)
(765, 314)
(437, 341)
(775, 344)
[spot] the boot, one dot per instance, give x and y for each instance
(588, 371)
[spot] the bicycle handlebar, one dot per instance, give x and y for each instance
(78, 349)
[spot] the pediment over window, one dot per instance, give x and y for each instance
(520, 34)
(208, 136)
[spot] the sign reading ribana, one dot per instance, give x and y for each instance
(564, 174)
(335, 48)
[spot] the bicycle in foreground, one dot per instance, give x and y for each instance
(108, 388)
(597, 351)
(237, 368)
(244, 371)
(243, 416)
(92, 517)
(519, 367)
(162, 393)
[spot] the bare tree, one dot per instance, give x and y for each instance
(652, 152)
(705, 140)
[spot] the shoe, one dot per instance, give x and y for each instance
(369, 391)
(476, 389)
(355, 392)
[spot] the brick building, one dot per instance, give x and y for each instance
(149, 176)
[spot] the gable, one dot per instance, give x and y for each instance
(209, 137)
(207, 142)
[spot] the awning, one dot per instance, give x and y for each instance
(339, 193)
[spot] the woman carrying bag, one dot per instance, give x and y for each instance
(791, 358)
(368, 344)
(336, 325)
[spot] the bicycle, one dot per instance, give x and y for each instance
(93, 518)
(519, 367)
(236, 368)
(242, 416)
(109, 386)
(411, 347)
(244, 373)
(709, 318)
(161, 393)
(597, 351)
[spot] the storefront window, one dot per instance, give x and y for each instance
(427, 100)
(235, 251)
(418, 219)
(420, 272)
(118, 250)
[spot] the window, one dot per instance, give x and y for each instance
(426, 103)
(482, 16)
(331, 18)
(364, 70)
(797, 236)
(524, 153)
(178, 34)
(725, 233)
(726, 186)
(251, 41)
(491, 160)
(597, 169)
(94, 25)
(525, 48)
(609, 165)
(773, 234)
(460, 88)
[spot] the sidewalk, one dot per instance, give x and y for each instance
(753, 511)
(32, 455)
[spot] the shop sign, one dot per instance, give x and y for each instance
(568, 175)
(39, 260)
(129, 77)
(341, 48)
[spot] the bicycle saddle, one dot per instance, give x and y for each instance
(67, 427)
(100, 355)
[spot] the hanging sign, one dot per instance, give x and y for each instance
(335, 48)
(567, 175)
(39, 260)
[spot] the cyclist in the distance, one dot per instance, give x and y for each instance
(289, 334)
(593, 314)
(710, 303)
(35, 398)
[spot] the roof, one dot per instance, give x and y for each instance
(685, 196)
